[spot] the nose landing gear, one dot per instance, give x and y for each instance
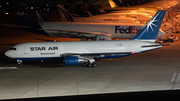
(20, 63)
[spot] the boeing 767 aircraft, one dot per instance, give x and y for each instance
(74, 53)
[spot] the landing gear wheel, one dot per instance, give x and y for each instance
(94, 65)
(20, 66)
(88, 65)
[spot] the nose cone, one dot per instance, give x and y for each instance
(8, 53)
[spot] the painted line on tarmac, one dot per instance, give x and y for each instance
(8, 67)
(174, 81)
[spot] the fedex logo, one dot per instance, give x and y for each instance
(129, 30)
(21, 14)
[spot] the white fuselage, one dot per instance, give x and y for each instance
(46, 50)
(123, 30)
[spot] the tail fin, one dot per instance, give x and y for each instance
(89, 7)
(24, 16)
(104, 5)
(65, 14)
(40, 16)
(77, 10)
(150, 30)
(27, 20)
(113, 4)
(90, 14)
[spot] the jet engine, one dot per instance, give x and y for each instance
(102, 37)
(71, 60)
(74, 60)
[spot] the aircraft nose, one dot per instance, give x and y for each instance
(7, 53)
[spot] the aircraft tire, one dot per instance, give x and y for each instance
(20, 66)
(89, 65)
(94, 65)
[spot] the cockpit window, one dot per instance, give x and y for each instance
(12, 49)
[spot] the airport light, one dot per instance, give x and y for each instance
(31, 7)
(7, 3)
(6, 13)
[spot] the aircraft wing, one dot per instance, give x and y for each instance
(92, 55)
(79, 34)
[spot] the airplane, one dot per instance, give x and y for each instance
(137, 15)
(130, 2)
(114, 6)
(140, 15)
(154, 5)
(88, 9)
(83, 30)
(75, 53)
(77, 10)
(141, 10)
(66, 16)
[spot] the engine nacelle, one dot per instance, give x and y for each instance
(71, 60)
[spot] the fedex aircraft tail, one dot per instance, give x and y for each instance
(23, 15)
(150, 30)
(26, 19)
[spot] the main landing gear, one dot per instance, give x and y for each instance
(91, 63)
(20, 63)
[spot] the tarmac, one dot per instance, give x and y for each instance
(149, 71)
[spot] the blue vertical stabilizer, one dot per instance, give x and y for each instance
(151, 29)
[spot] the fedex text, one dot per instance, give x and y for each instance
(129, 30)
